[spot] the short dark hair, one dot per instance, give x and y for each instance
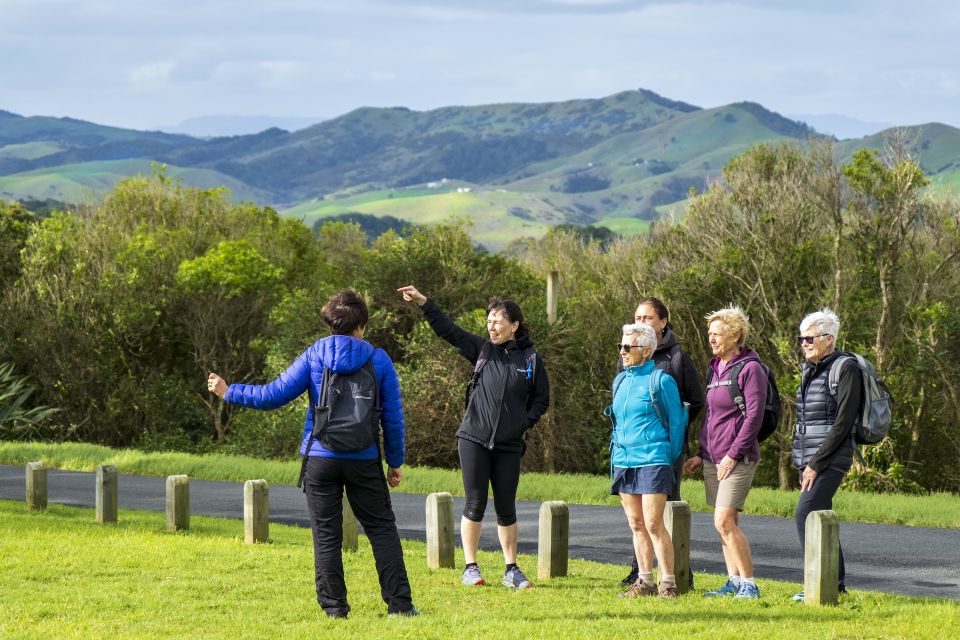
(511, 309)
(345, 312)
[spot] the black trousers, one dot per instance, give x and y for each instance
(369, 498)
(817, 498)
(484, 469)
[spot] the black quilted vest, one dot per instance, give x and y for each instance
(816, 413)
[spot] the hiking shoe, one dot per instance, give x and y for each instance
(631, 578)
(747, 590)
(514, 579)
(409, 613)
(638, 589)
(797, 597)
(667, 590)
(472, 577)
(728, 589)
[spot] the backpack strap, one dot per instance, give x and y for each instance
(732, 382)
(833, 378)
(656, 384)
(321, 405)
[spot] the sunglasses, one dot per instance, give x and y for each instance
(627, 347)
(809, 339)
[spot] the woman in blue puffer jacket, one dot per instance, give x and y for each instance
(328, 472)
(649, 426)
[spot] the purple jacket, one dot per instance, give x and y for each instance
(726, 431)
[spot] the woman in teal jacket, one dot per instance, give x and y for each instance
(649, 426)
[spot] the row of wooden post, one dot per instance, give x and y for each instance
(821, 561)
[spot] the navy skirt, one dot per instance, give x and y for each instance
(642, 480)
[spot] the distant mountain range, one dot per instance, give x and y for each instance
(512, 169)
(219, 126)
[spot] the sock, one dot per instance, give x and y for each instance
(512, 565)
(735, 580)
(470, 564)
(647, 578)
(668, 579)
(748, 581)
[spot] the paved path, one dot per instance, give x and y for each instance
(893, 559)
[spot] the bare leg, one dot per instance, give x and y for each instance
(642, 547)
(508, 542)
(653, 506)
(736, 547)
(470, 538)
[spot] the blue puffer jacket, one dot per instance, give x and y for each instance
(341, 354)
(639, 438)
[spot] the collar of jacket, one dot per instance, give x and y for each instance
(742, 356)
(640, 369)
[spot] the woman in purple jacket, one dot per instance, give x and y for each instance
(729, 450)
(327, 472)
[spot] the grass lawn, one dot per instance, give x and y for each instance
(64, 576)
(934, 510)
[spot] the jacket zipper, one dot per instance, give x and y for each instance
(503, 393)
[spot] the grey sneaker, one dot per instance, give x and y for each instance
(472, 577)
(639, 589)
(747, 590)
(409, 613)
(728, 589)
(514, 579)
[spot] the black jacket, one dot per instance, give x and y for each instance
(823, 435)
(504, 404)
(669, 358)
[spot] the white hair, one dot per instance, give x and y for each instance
(647, 337)
(824, 320)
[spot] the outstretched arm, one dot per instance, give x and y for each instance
(467, 344)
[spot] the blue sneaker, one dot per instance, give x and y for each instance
(728, 589)
(797, 597)
(747, 590)
(515, 579)
(472, 576)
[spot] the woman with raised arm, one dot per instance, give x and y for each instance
(507, 395)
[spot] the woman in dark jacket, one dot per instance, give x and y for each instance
(508, 395)
(329, 472)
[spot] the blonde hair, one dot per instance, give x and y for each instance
(734, 318)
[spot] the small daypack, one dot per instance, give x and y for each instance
(877, 406)
(347, 415)
(772, 409)
(529, 355)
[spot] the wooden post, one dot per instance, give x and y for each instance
(350, 535)
(106, 500)
(552, 282)
(821, 561)
(256, 511)
(36, 486)
(553, 540)
(178, 503)
(440, 531)
(676, 518)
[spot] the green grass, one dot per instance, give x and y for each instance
(64, 576)
(940, 510)
(30, 150)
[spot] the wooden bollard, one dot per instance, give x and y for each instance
(36, 486)
(553, 540)
(676, 518)
(106, 493)
(440, 531)
(552, 281)
(256, 511)
(178, 503)
(821, 561)
(350, 535)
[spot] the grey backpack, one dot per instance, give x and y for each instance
(874, 422)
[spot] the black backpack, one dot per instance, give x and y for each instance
(772, 410)
(347, 415)
(529, 355)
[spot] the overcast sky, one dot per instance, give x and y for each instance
(142, 64)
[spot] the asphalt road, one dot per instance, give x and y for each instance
(892, 559)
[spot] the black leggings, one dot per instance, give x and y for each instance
(817, 498)
(483, 468)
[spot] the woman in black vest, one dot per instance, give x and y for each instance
(823, 436)
(508, 396)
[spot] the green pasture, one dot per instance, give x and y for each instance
(64, 576)
(934, 510)
(30, 150)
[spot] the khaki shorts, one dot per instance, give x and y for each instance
(731, 492)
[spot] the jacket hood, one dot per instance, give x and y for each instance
(744, 355)
(520, 341)
(667, 342)
(344, 354)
